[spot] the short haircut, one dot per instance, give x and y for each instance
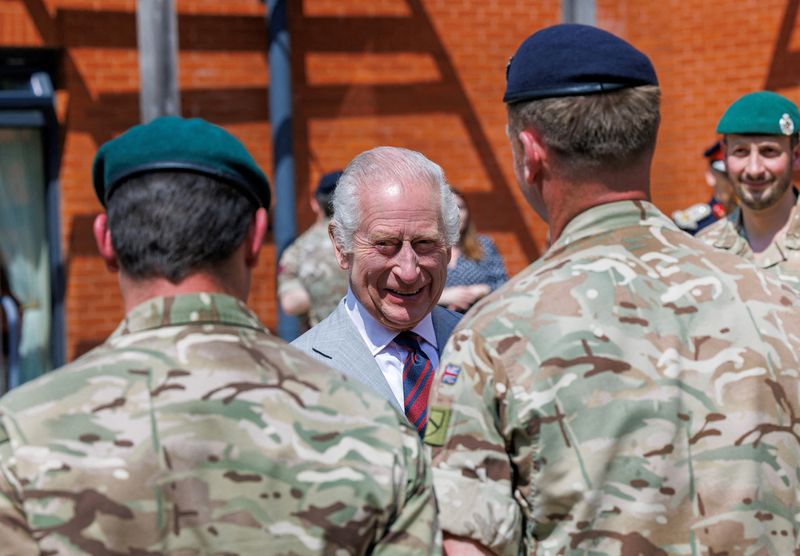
(592, 131)
(380, 166)
(171, 224)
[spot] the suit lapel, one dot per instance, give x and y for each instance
(340, 342)
(443, 324)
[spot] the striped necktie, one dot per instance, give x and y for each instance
(417, 380)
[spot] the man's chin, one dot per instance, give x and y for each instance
(759, 202)
(402, 318)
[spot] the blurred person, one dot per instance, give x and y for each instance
(192, 430)
(760, 137)
(723, 198)
(633, 391)
(475, 268)
(395, 221)
(310, 282)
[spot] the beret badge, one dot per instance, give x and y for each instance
(787, 125)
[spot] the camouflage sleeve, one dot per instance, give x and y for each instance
(288, 267)
(14, 532)
(415, 529)
(476, 462)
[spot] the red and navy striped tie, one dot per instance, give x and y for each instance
(417, 380)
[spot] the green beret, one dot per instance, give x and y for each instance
(761, 113)
(170, 143)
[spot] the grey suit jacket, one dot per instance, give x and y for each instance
(336, 342)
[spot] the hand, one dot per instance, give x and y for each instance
(461, 298)
(479, 290)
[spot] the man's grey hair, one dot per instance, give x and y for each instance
(381, 166)
(593, 131)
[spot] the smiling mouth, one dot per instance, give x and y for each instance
(404, 294)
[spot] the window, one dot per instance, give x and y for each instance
(30, 251)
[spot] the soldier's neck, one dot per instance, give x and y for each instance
(762, 226)
(135, 292)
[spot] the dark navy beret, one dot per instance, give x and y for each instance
(327, 183)
(572, 59)
(171, 143)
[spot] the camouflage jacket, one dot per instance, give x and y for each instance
(782, 257)
(310, 263)
(632, 392)
(193, 431)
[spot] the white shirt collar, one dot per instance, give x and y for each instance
(377, 336)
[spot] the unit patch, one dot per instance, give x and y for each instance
(450, 374)
(436, 429)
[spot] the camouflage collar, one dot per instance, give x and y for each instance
(611, 216)
(203, 308)
(733, 237)
(732, 233)
(792, 240)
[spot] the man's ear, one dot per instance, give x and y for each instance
(255, 237)
(102, 237)
(534, 154)
(341, 256)
(796, 156)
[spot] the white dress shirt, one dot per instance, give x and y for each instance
(387, 354)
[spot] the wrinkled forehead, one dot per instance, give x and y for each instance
(394, 202)
(400, 191)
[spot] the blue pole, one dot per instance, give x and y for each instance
(284, 223)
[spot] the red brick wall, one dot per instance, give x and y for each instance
(707, 54)
(423, 74)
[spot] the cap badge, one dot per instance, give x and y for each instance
(787, 125)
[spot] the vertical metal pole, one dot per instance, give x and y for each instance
(280, 110)
(157, 35)
(578, 11)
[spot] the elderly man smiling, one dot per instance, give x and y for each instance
(395, 220)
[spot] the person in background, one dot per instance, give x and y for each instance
(633, 391)
(476, 267)
(310, 282)
(761, 154)
(193, 430)
(723, 197)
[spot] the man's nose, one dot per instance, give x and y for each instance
(755, 165)
(406, 263)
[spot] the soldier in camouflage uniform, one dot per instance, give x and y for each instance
(192, 430)
(761, 152)
(310, 281)
(633, 391)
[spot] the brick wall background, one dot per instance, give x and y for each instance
(423, 74)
